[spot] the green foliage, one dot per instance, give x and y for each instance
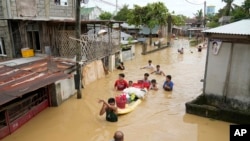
(105, 16)
(228, 7)
(213, 24)
(246, 6)
(199, 16)
(178, 19)
(238, 14)
(150, 15)
(241, 12)
(123, 14)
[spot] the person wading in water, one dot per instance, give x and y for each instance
(110, 109)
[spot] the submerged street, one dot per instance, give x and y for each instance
(160, 117)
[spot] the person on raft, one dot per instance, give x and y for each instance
(168, 84)
(130, 83)
(110, 109)
(121, 84)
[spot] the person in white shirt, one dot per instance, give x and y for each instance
(149, 66)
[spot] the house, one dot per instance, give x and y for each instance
(145, 31)
(45, 28)
(226, 88)
(192, 28)
(49, 25)
(27, 88)
(91, 13)
(130, 29)
(225, 20)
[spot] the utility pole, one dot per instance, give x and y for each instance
(205, 13)
(116, 6)
(78, 77)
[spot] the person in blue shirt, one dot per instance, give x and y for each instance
(168, 84)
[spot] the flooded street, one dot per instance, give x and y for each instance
(160, 117)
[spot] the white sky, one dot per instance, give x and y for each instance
(179, 6)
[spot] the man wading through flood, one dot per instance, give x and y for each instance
(110, 109)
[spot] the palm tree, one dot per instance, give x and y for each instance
(228, 8)
(199, 16)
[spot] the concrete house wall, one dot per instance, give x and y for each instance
(226, 88)
(42, 9)
(228, 73)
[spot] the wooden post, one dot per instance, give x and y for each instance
(169, 29)
(78, 49)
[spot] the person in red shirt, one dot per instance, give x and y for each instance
(121, 84)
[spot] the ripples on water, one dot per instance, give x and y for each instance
(160, 117)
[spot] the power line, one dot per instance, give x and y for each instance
(194, 3)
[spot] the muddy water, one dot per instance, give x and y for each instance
(160, 117)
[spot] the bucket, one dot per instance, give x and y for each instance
(121, 101)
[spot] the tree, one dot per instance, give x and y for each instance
(150, 15)
(241, 12)
(199, 17)
(123, 14)
(246, 6)
(105, 16)
(228, 8)
(179, 19)
(238, 14)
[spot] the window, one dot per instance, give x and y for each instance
(33, 40)
(2, 48)
(61, 2)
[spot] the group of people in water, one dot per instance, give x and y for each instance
(199, 49)
(120, 84)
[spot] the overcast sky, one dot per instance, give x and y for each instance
(179, 6)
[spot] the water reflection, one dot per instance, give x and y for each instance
(161, 116)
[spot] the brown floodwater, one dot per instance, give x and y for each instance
(160, 117)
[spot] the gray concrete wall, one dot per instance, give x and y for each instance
(239, 82)
(216, 70)
(62, 11)
(4, 34)
(66, 88)
(238, 87)
(1, 9)
(47, 9)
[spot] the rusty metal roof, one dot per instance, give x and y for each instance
(19, 80)
(236, 28)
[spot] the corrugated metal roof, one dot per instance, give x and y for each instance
(236, 28)
(19, 80)
(146, 31)
(127, 26)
